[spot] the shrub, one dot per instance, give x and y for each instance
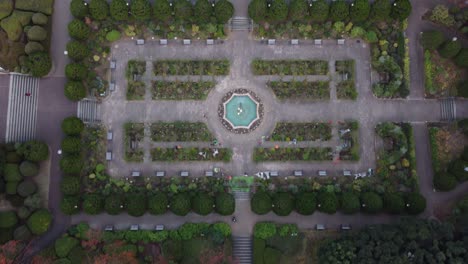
(432, 39)
(71, 164)
(6, 234)
(34, 150)
(71, 144)
(183, 10)
(350, 203)
(458, 170)
(13, 157)
(461, 59)
(140, 9)
(70, 205)
(162, 11)
(136, 204)
(8, 219)
(33, 201)
(22, 233)
(202, 11)
(278, 11)
(72, 126)
(77, 29)
(99, 9)
(450, 49)
(441, 14)
(37, 33)
(39, 221)
(23, 212)
(188, 230)
(12, 26)
(75, 91)
(225, 203)
(359, 10)
(113, 203)
(93, 204)
(11, 188)
(339, 11)
(78, 8)
(76, 71)
(283, 203)
(27, 188)
(70, 185)
(157, 203)
(223, 228)
(371, 202)
(306, 203)
(39, 63)
(113, 35)
(64, 245)
(180, 204)
(40, 19)
(223, 10)
(6, 7)
(327, 202)
(119, 10)
(319, 11)
(271, 255)
(261, 203)
(77, 50)
(380, 10)
(288, 230)
(401, 9)
(258, 249)
(264, 230)
(258, 10)
(11, 173)
(444, 181)
(298, 10)
(415, 203)
(32, 47)
(394, 203)
(462, 89)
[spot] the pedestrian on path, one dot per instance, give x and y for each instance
(27, 94)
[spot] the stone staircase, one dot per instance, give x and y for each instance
(241, 196)
(242, 249)
(22, 108)
(89, 110)
(448, 111)
(240, 24)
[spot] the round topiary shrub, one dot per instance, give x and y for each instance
(77, 29)
(450, 48)
(415, 203)
(225, 203)
(11, 188)
(13, 157)
(36, 33)
(99, 9)
(72, 126)
(32, 47)
(22, 233)
(258, 10)
(136, 204)
(327, 202)
(77, 50)
(29, 169)
(70, 185)
(76, 71)
(11, 173)
(371, 202)
(261, 203)
(119, 10)
(39, 221)
(432, 39)
(26, 188)
(223, 10)
(394, 203)
(458, 170)
(157, 203)
(283, 203)
(8, 219)
(75, 91)
(34, 150)
(23, 212)
(70, 205)
(71, 164)
(114, 204)
(202, 203)
(339, 11)
(79, 9)
(461, 60)
(71, 145)
(64, 245)
(93, 204)
(264, 230)
(319, 11)
(359, 10)
(306, 203)
(40, 19)
(444, 181)
(113, 35)
(180, 204)
(39, 63)
(350, 203)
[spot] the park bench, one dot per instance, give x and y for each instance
(112, 86)
(209, 173)
(187, 42)
(159, 227)
(136, 174)
(347, 173)
(140, 42)
(322, 173)
(317, 42)
(320, 227)
(134, 227)
(160, 173)
(184, 174)
(110, 135)
(345, 227)
(340, 41)
(113, 64)
(209, 42)
(108, 155)
(274, 174)
(163, 42)
(109, 228)
(271, 41)
(298, 173)
(294, 42)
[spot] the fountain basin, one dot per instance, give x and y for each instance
(241, 110)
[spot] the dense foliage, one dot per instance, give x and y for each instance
(39, 63)
(261, 203)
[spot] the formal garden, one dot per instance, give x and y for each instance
(190, 243)
(300, 90)
(24, 36)
(381, 24)
(24, 213)
(449, 154)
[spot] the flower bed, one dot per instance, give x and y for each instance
(441, 75)
(301, 132)
(180, 131)
(134, 133)
(350, 152)
(191, 67)
(168, 90)
(292, 154)
(300, 90)
(346, 88)
(289, 67)
(191, 154)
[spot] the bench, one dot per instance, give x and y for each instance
(271, 41)
(210, 42)
(209, 173)
(347, 173)
(274, 174)
(140, 42)
(109, 228)
(294, 42)
(320, 227)
(159, 228)
(322, 173)
(184, 174)
(340, 41)
(134, 227)
(187, 42)
(160, 173)
(110, 135)
(108, 155)
(317, 42)
(345, 227)
(112, 86)
(163, 42)
(113, 64)
(136, 174)
(297, 173)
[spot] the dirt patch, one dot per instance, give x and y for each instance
(446, 74)
(450, 143)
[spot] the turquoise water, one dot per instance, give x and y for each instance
(238, 117)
